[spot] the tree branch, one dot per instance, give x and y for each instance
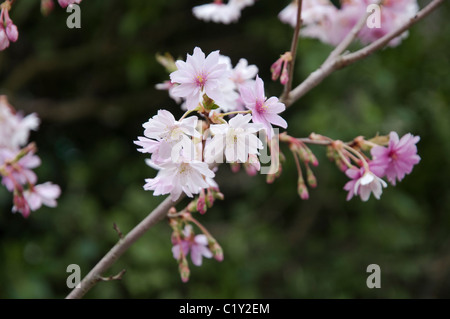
(122, 245)
(294, 44)
(340, 61)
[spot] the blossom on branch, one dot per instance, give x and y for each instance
(364, 182)
(264, 111)
(197, 76)
(398, 158)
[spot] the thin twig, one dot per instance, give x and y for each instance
(117, 229)
(110, 278)
(294, 44)
(339, 62)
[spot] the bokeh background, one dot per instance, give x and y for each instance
(94, 87)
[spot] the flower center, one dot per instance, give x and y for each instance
(200, 79)
(261, 107)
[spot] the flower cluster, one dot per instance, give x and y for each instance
(393, 162)
(322, 20)
(185, 151)
(17, 162)
(220, 12)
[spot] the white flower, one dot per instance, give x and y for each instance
(165, 138)
(175, 178)
(237, 140)
(369, 183)
(243, 72)
(15, 129)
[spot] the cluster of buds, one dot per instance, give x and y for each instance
(8, 30)
(302, 154)
(280, 66)
(186, 242)
(18, 159)
(390, 157)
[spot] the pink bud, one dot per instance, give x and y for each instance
(11, 32)
(235, 167)
(47, 7)
(284, 74)
(184, 270)
(21, 205)
(4, 42)
(65, 3)
(312, 181)
(302, 189)
(210, 198)
(276, 69)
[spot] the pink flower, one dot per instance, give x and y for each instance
(42, 194)
(264, 111)
(399, 158)
(364, 182)
(197, 76)
(66, 3)
(14, 128)
(21, 172)
(196, 245)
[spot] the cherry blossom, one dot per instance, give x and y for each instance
(399, 158)
(264, 111)
(364, 182)
(236, 139)
(175, 178)
(197, 76)
(197, 245)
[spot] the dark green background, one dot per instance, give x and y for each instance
(94, 87)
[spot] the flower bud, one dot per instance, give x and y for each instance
(284, 74)
(275, 69)
(216, 250)
(184, 270)
(311, 179)
(47, 7)
(201, 203)
(4, 41)
(11, 32)
(302, 189)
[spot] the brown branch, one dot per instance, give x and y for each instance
(294, 44)
(339, 62)
(117, 229)
(122, 246)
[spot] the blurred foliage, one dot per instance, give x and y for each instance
(94, 87)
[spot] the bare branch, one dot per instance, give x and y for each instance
(339, 62)
(117, 229)
(294, 44)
